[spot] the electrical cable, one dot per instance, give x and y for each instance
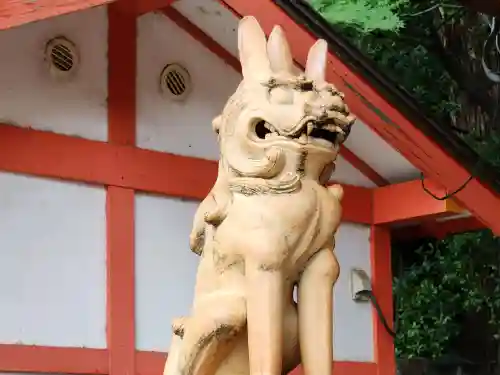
(446, 196)
(369, 294)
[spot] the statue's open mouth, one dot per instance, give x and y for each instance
(326, 135)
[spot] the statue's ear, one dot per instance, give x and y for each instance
(252, 47)
(316, 61)
(278, 51)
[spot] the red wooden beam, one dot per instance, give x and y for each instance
(122, 47)
(408, 201)
(146, 6)
(120, 201)
(57, 360)
(15, 13)
(357, 204)
(120, 265)
(233, 62)
(381, 274)
(53, 155)
(382, 117)
(47, 359)
(46, 154)
(18, 12)
(152, 363)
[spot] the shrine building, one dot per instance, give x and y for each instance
(107, 147)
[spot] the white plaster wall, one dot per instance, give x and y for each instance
(28, 94)
(52, 233)
(379, 155)
(166, 269)
(214, 19)
(181, 128)
(346, 173)
(52, 262)
(353, 321)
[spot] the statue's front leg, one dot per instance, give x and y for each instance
(207, 334)
(265, 305)
(172, 364)
(315, 305)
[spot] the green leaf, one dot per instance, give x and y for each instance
(364, 15)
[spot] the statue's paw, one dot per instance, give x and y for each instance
(198, 250)
(218, 213)
(337, 191)
(178, 326)
(197, 241)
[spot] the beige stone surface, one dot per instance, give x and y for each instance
(269, 222)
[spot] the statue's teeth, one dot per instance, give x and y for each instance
(268, 126)
(303, 138)
(333, 128)
(309, 128)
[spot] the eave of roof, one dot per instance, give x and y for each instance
(15, 13)
(360, 64)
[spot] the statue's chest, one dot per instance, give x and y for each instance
(289, 227)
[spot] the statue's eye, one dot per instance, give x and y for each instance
(306, 86)
(262, 128)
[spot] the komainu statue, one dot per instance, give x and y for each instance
(268, 224)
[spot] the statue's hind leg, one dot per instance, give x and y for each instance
(207, 334)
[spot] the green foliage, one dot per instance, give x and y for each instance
(413, 67)
(365, 15)
(395, 34)
(488, 148)
(454, 277)
(457, 276)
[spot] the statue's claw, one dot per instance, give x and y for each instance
(178, 325)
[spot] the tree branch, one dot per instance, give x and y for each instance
(475, 86)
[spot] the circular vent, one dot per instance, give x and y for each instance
(175, 82)
(61, 56)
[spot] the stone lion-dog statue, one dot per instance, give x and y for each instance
(268, 224)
